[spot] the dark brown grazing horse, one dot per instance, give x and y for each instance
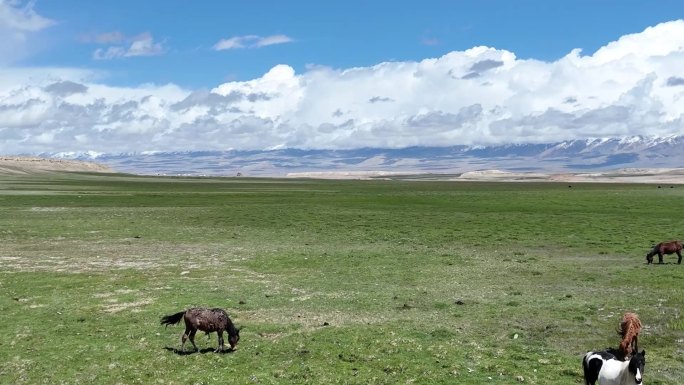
(665, 248)
(206, 320)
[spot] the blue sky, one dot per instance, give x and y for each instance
(339, 34)
(137, 76)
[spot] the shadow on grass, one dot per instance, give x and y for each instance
(201, 351)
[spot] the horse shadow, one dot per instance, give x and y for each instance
(201, 351)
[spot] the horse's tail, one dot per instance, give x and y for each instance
(591, 369)
(173, 318)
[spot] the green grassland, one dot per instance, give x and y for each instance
(333, 282)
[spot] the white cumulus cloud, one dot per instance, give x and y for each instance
(17, 16)
(480, 96)
(18, 21)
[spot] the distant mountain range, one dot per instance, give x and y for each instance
(566, 156)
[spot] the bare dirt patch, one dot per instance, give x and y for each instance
(625, 175)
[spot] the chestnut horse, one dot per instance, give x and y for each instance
(665, 248)
(206, 320)
(629, 332)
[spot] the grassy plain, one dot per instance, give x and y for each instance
(334, 282)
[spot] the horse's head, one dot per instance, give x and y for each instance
(649, 257)
(233, 338)
(636, 366)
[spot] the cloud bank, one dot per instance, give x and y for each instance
(480, 96)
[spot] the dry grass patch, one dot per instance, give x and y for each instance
(134, 306)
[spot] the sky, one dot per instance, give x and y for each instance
(124, 76)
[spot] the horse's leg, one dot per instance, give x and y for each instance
(660, 257)
(220, 341)
(679, 254)
(192, 338)
(184, 338)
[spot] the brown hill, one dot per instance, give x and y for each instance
(26, 165)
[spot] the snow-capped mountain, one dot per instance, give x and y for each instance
(572, 155)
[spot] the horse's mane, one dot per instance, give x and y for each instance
(629, 330)
(231, 329)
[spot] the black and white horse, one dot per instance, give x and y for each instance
(606, 368)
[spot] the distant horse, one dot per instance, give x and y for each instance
(206, 320)
(665, 248)
(607, 369)
(630, 326)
